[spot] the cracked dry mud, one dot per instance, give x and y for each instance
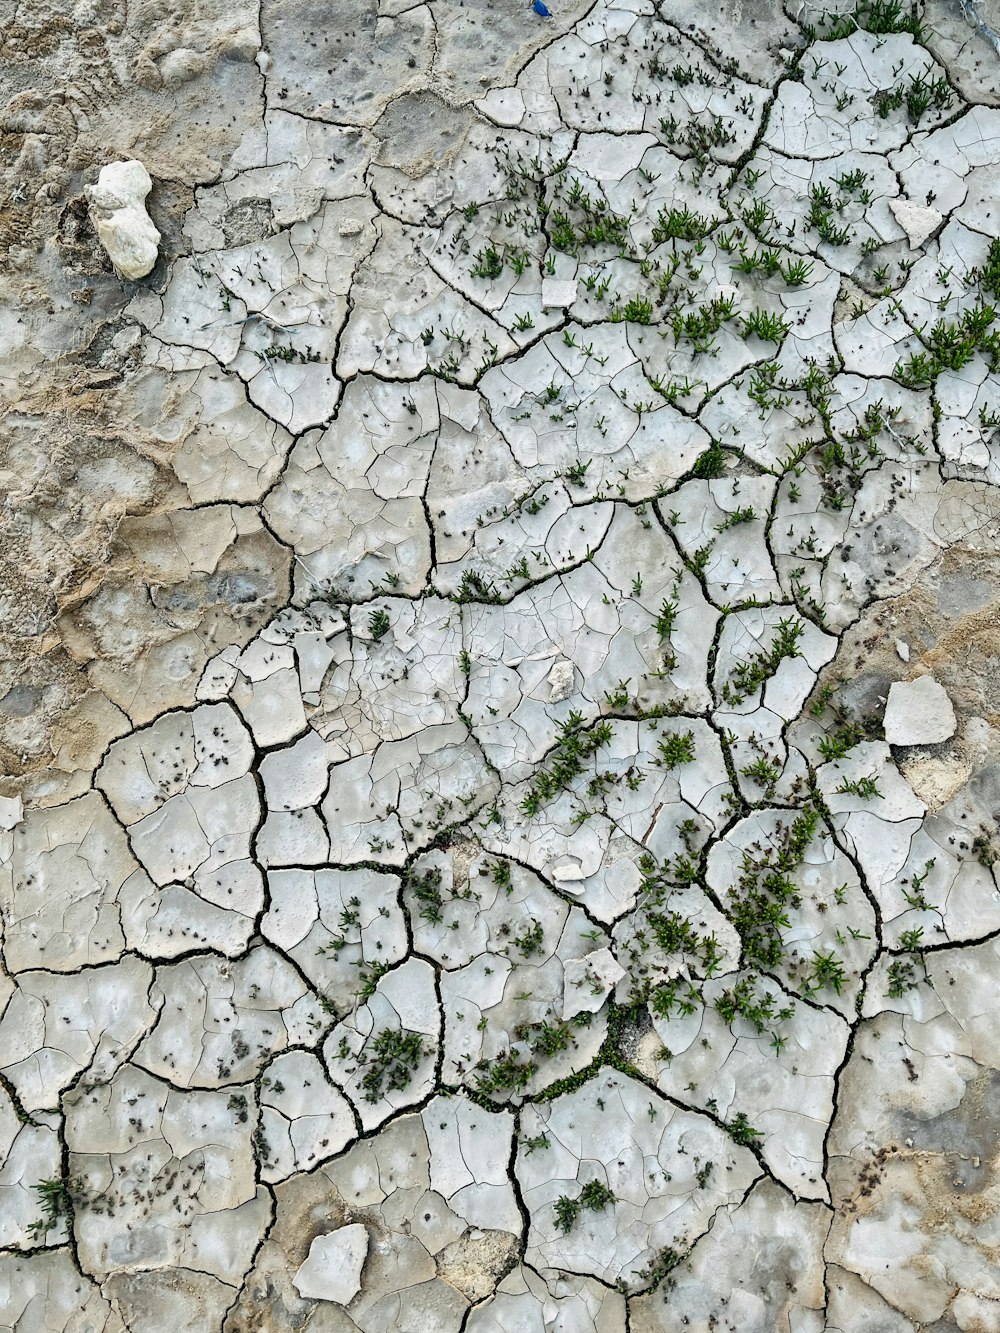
(498, 669)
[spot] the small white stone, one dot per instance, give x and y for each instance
(332, 1271)
(118, 209)
(587, 982)
(919, 712)
(918, 222)
(560, 681)
(903, 649)
(558, 293)
(567, 871)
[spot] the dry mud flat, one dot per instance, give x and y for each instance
(499, 617)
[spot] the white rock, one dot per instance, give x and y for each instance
(118, 209)
(332, 1271)
(919, 712)
(587, 982)
(558, 293)
(903, 649)
(918, 222)
(560, 680)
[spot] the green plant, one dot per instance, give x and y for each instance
(989, 275)
(767, 260)
(698, 137)
(666, 617)
(748, 676)
(500, 871)
(919, 94)
(757, 217)
(915, 896)
(566, 1212)
(546, 1038)
(238, 1103)
(887, 16)
(506, 1073)
(763, 381)
(637, 310)
(836, 744)
(698, 560)
(711, 464)
(769, 328)
(378, 624)
(742, 1132)
(370, 974)
(489, 264)
(680, 224)
(676, 934)
(866, 788)
(391, 1059)
(901, 978)
(596, 1196)
(618, 698)
(747, 514)
(56, 1200)
(699, 327)
(530, 941)
(765, 772)
(755, 1006)
(851, 181)
(950, 346)
(877, 16)
(821, 216)
(675, 749)
(475, 587)
(986, 855)
(765, 892)
(575, 745)
(426, 889)
(826, 971)
(660, 1268)
(888, 100)
(535, 1144)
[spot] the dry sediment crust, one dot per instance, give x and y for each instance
(499, 755)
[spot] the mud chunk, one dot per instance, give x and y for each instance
(919, 712)
(332, 1271)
